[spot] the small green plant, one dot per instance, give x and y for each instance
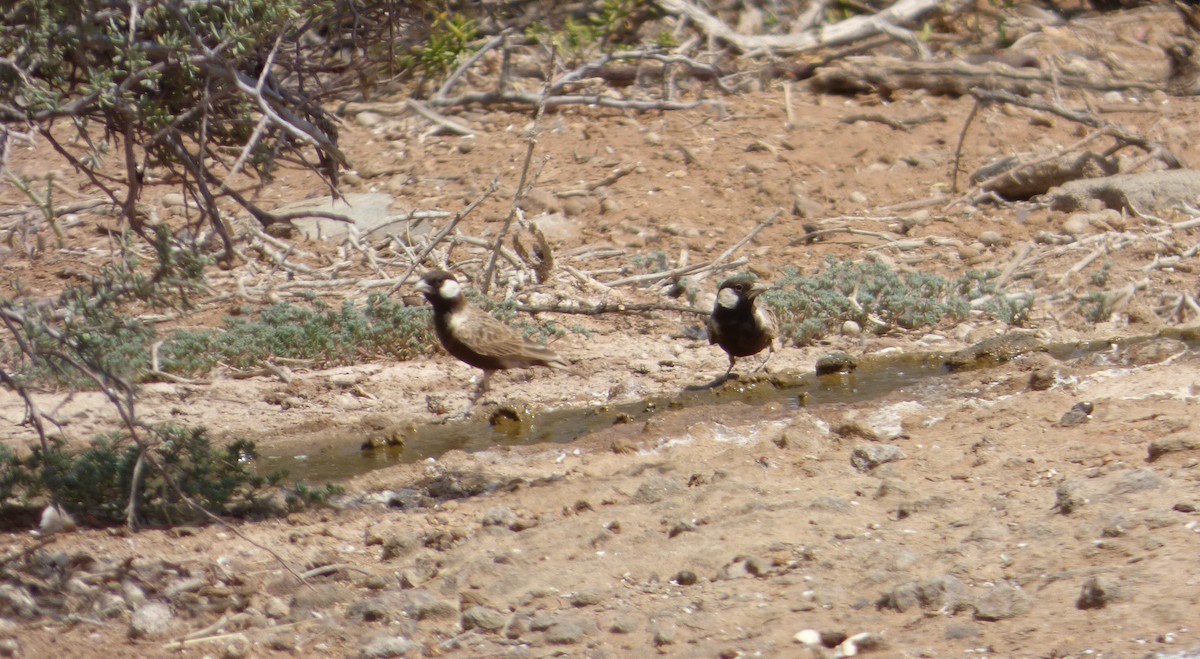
(1099, 278)
(873, 295)
(655, 261)
(1012, 311)
(99, 482)
(302, 496)
(613, 26)
(1095, 307)
(328, 336)
(449, 39)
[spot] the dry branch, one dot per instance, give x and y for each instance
(849, 30)
(883, 75)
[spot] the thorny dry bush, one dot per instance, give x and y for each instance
(211, 98)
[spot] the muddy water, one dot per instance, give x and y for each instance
(331, 458)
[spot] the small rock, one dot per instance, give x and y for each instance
(851, 328)
(277, 608)
(564, 632)
(1001, 603)
(368, 119)
(382, 647)
(836, 362)
(685, 578)
(517, 626)
(1161, 447)
(151, 621)
(1041, 380)
(372, 609)
(758, 567)
(665, 633)
(858, 197)
(538, 201)
(1068, 498)
(655, 489)
(1184, 507)
(482, 617)
(991, 238)
(866, 457)
(809, 637)
(961, 631)
(1079, 413)
(583, 598)
(625, 624)
(9, 647)
(235, 647)
(1076, 224)
(500, 516)
(1099, 591)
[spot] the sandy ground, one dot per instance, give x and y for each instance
(999, 527)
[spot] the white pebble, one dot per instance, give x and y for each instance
(809, 637)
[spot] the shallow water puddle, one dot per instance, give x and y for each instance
(340, 454)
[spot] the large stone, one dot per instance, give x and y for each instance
(370, 212)
(1150, 192)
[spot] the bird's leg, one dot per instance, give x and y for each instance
(763, 365)
(720, 380)
(480, 389)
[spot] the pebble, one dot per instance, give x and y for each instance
(866, 457)
(9, 647)
(1068, 498)
(388, 646)
(836, 362)
(625, 624)
(368, 119)
(857, 197)
(851, 328)
(655, 489)
(371, 609)
(809, 637)
(665, 633)
(583, 598)
(1002, 602)
(236, 647)
(151, 620)
(564, 632)
(685, 578)
(991, 238)
(482, 617)
(1099, 591)
(277, 608)
(1161, 447)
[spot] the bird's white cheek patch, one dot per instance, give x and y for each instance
(450, 289)
(727, 298)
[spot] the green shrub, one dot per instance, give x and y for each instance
(96, 483)
(873, 295)
(343, 336)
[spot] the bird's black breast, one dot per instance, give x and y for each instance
(458, 347)
(737, 331)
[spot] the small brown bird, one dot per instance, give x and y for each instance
(739, 324)
(475, 337)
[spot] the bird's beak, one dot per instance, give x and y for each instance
(423, 287)
(757, 288)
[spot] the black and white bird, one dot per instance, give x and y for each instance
(740, 324)
(475, 337)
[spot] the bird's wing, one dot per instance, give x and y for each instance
(713, 330)
(492, 337)
(766, 319)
